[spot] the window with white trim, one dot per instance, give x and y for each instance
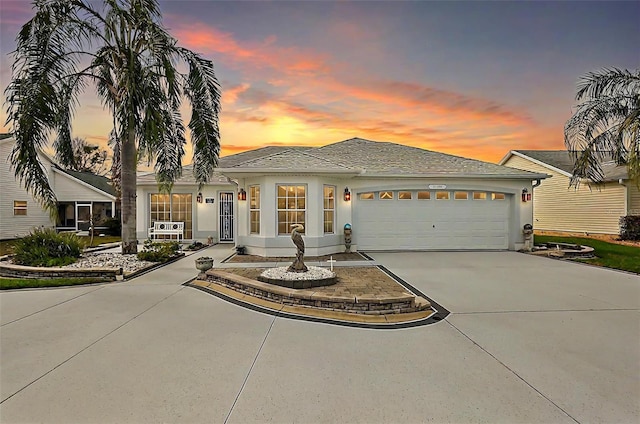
(386, 195)
(254, 209)
(367, 196)
(20, 207)
(497, 196)
(442, 195)
(176, 207)
(424, 195)
(404, 195)
(292, 207)
(479, 195)
(329, 207)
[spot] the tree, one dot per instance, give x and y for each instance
(606, 124)
(87, 157)
(122, 50)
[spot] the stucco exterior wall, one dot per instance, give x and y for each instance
(268, 243)
(17, 225)
(205, 215)
(557, 207)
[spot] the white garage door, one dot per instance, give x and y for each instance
(431, 220)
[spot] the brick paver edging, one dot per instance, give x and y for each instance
(378, 305)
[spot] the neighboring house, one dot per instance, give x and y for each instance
(395, 197)
(592, 208)
(80, 196)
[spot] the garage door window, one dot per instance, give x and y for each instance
(404, 195)
(442, 195)
(292, 205)
(497, 196)
(366, 196)
(386, 195)
(460, 195)
(478, 195)
(424, 195)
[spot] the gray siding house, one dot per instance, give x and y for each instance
(80, 196)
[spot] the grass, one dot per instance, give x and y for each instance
(23, 283)
(6, 246)
(609, 255)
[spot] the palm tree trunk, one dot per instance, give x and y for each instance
(129, 165)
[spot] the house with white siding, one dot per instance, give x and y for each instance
(81, 196)
(391, 197)
(590, 208)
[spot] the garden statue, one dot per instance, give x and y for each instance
(298, 264)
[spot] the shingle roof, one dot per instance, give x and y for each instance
(561, 159)
(383, 158)
(4, 135)
(186, 178)
(290, 159)
(233, 160)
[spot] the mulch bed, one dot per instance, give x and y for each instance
(352, 281)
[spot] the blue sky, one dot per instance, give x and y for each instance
(474, 79)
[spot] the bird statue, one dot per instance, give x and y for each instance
(298, 264)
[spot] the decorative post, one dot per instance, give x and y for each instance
(347, 237)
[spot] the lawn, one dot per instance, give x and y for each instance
(6, 246)
(23, 283)
(610, 255)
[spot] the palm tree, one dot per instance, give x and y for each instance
(120, 48)
(606, 125)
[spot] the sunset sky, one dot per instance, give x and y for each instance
(474, 79)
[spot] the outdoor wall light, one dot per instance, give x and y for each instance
(526, 196)
(242, 195)
(199, 198)
(347, 194)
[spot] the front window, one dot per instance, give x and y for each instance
(19, 207)
(329, 208)
(254, 209)
(175, 207)
(292, 204)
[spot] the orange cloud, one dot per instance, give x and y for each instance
(267, 54)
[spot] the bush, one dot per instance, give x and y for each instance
(630, 227)
(114, 226)
(196, 245)
(46, 247)
(158, 251)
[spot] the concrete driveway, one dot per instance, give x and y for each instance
(528, 340)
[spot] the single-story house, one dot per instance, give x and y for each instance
(591, 208)
(394, 197)
(80, 195)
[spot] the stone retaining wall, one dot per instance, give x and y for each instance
(10, 270)
(286, 296)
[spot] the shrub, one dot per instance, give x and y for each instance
(630, 227)
(158, 251)
(46, 247)
(114, 226)
(196, 245)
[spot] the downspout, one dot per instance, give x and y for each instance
(626, 196)
(536, 184)
(236, 222)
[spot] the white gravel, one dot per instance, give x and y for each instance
(128, 263)
(314, 273)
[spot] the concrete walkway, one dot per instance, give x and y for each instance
(529, 340)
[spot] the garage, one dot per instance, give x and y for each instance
(432, 220)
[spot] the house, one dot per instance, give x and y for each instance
(80, 196)
(394, 197)
(592, 208)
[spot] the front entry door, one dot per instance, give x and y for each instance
(226, 217)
